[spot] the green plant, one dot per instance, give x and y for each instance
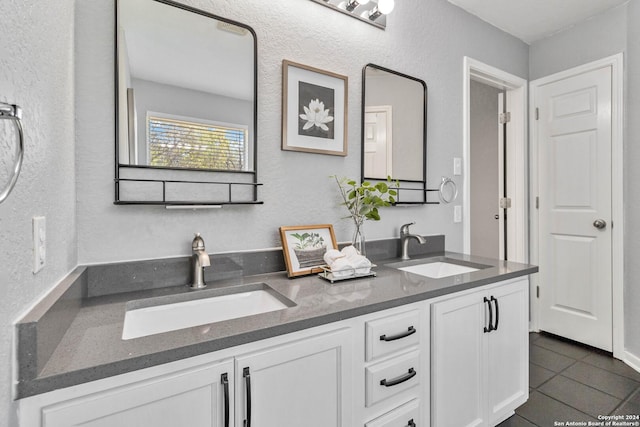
(363, 200)
(308, 240)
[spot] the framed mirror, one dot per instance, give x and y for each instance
(394, 131)
(186, 93)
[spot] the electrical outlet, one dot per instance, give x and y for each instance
(457, 213)
(39, 243)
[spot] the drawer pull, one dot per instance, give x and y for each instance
(406, 377)
(410, 331)
(224, 379)
(247, 379)
(411, 423)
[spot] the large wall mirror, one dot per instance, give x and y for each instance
(186, 91)
(394, 130)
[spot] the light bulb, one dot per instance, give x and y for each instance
(386, 6)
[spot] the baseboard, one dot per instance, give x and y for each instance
(632, 360)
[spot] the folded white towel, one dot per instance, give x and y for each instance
(361, 264)
(331, 255)
(350, 251)
(341, 267)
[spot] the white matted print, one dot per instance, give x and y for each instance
(304, 247)
(314, 110)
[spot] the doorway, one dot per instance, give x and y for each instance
(577, 229)
(487, 166)
(514, 235)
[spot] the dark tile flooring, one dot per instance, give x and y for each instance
(573, 382)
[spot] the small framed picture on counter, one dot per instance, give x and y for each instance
(304, 247)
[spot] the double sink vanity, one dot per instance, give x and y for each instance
(437, 340)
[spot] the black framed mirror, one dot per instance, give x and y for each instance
(186, 101)
(394, 131)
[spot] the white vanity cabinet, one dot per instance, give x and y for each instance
(301, 383)
(196, 396)
(299, 379)
(480, 355)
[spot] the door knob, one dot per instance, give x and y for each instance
(497, 217)
(599, 224)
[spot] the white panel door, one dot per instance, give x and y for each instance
(574, 140)
(302, 383)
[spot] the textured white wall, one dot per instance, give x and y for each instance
(36, 72)
(427, 39)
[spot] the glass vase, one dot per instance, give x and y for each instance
(358, 240)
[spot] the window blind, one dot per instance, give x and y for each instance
(184, 144)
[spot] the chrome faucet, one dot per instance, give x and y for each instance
(404, 239)
(200, 260)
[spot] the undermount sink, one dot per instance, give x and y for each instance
(170, 313)
(438, 270)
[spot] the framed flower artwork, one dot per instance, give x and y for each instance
(314, 110)
(304, 247)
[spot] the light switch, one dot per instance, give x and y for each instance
(39, 243)
(457, 166)
(457, 213)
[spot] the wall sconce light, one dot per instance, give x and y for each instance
(373, 12)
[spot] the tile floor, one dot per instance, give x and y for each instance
(573, 382)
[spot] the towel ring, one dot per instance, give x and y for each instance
(13, 113)
(448, 191)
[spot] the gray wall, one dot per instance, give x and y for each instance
(484, 170)
(426, 39)
(608, 34)
(593, 39)
(161, 98)
(36, 72)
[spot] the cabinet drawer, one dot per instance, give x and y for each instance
(407, 415)
(387, 378)
(390, 334)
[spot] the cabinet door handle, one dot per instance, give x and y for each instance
(247, 382)
(410, 331)
(406, 377)
(224, 379)
(495, 327)
(490, 327)
(411, 423)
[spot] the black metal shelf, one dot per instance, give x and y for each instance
(162, 201)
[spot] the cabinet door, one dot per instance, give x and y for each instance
(301, 383)
(508, 350)
(193, 397)
(458, 375)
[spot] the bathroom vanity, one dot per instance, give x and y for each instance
(399, 349)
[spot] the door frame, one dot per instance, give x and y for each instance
(517, 168)
(617, 191)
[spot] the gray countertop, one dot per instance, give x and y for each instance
(92, 347)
